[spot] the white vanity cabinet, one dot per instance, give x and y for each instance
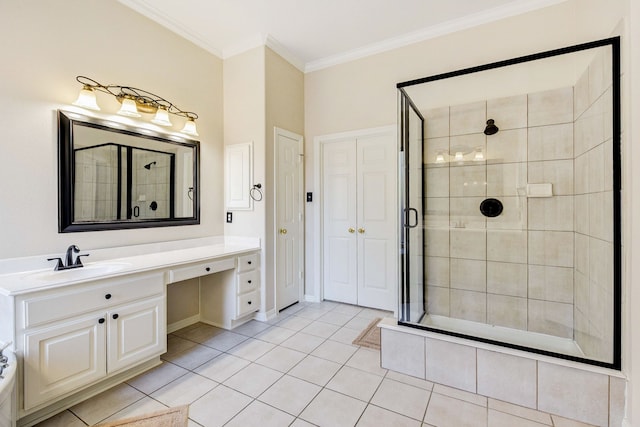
(80, 334)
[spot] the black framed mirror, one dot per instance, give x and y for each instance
(114, 176)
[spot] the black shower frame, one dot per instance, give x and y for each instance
(614, 42)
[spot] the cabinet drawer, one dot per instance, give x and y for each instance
(248, 303)
(247, 262)
(201, 269)
(248, 281)
(99, 295)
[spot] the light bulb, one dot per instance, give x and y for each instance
(87, 99)
(479, 157)
(439, 158)
(162, 117)
(129, 108)
(459, 156)
(190, 127)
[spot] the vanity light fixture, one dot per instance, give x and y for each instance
(135, 101)
(479, 156)
(440, 158)
(459, 156)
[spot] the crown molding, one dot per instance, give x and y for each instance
(452, 26)
(146, 9)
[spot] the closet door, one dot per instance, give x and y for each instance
(377, 210)
(340, 262)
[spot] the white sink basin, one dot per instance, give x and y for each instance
(86, 272)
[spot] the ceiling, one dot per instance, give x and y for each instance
(314, 34)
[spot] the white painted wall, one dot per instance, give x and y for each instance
(43, 46)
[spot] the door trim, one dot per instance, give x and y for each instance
(301, 224)
(318, 144)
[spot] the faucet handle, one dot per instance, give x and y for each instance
(59, 264)
(79, 261)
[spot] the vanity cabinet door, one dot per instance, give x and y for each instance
(137, 332)
(63, 358)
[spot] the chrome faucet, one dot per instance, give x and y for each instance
(68, 259)
(3, 359)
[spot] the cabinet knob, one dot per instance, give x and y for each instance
(107, 296)
(208, 269)
(249, 262)
(351, 230)
(248, 281)
(361, 230)
(249, 302)
(115, 316)
(101, 320)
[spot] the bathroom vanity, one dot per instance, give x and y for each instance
(78, 332)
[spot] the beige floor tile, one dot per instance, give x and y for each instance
(63, 419)
(445, 411)
(281, 359)
(408, 379)
(355, 383)
(368, 360)
(310, 313)
(191, 423)
(158, 377)
(218, 406)
(303, 342)
(347, 309)
(321, 329)
(106, 403)
(257, 414)
(334, 351)
(253, 380)
(294, 323)
(251, 349)
(476, 399)
(146, 405)
(520, 411)
(345, 411)
(301, 423)
(500, 419)
(251, 328)
(222, 367)
(345, 335)
(565, 422)
(176, 344)
(334, 318)
(402, 398)
(372, 313)
(224, 340)
(275, 334)
(184, 390)
(292, 309)
(378, 417)
(358, 323)
(325, 305)
(200, 333)
(290, 394)
(315, 370)
(193, 357)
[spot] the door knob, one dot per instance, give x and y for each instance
(361, 230)
(283, 231)
(351, 230)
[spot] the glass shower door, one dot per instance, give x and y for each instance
(412, 217)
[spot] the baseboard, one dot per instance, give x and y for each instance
(183, 323)
(265, 316)
(312, 298)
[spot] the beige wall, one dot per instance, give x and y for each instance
(44, 46)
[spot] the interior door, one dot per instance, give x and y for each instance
(289, 218)
(377, 213)
(340, 262)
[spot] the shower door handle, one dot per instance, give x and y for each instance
(408, 222)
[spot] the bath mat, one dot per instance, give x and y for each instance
(370, 337)
(172, 417)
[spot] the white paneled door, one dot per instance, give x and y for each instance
(289, 218)
(359, 220)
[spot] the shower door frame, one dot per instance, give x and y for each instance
(614, 43)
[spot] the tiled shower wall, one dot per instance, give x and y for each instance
(515, 270)
(96, 184)
(593, 210)
(151, 184)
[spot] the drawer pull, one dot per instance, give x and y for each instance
(115, 316)
(249, 262)
(248, 281)
(249, 302)
(208, 269)
(101, 320)
(107, 296)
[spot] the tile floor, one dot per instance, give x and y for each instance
(299, 369)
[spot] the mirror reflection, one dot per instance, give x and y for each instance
(113, 176)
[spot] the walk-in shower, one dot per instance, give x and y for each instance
(510, 194)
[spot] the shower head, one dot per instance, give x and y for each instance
(491, 128)
(148, 166)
